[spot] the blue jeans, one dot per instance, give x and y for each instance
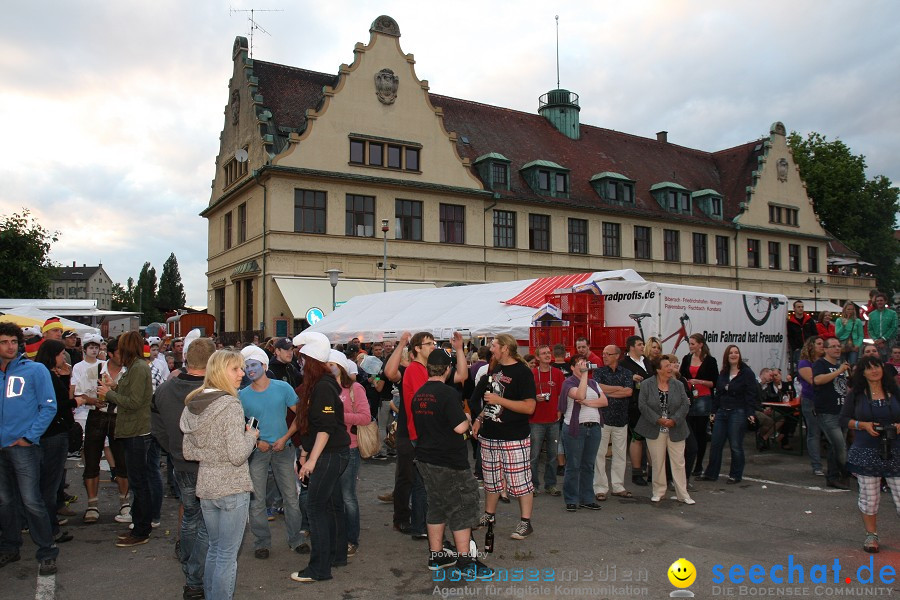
(837, 447)
(20, 485)
(348, 491)
(813, 433)
(539, 433)
(154, 479)
(53, 465)
(581, 454)
(730, 424)
(327, 523)
(282, 464)
(226, 520)
(136, 451)
(194, 537)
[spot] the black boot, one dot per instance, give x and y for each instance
(637, 477)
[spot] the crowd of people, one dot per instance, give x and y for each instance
(273, 428)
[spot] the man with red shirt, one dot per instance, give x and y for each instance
(548, 382)
(583, 347)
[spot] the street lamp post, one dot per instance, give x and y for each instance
(815, 282)
(384, 265)
(333, 276)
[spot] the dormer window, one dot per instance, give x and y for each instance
(493, 168)
(709, 202)
(672, 197)
(547, 178)
(614, 188)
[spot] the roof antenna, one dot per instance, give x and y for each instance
(253, 24)
(557, 51)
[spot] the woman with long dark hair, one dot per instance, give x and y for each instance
(132, 397)
(873, 409)
(733, 406)
(55, 441)
(700, 370)
(324, 455)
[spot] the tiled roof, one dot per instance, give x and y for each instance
(74, 273)
(524, 137)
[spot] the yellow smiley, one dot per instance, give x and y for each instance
(682, 573)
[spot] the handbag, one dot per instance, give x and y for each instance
(366, 435)
(76, 437)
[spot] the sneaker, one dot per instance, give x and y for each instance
(553, 491)
(262, 553)
(689, 501)
(871, 543)
(65, 511)
(193, 592)
(48, 567)
(63, 536)
(571, 507)
(473, 570)
(7, 558)
(819, 473)
(419, 536)
(537, 491)
(130, 541)
(654, 498)
(590, 505)
(441, 560)
(485, 520)
(124, 515)
(69, 499)
(351, 549)
(638, 479)
(560, 470)
(62, 522)
(270, 514)
(380, 456)
(522, 531)
(302, 577)
(153, 524)
(386, 498)
(691, 487)
(838, 484)
(305, 548)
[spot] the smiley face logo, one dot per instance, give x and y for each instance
(682, 573)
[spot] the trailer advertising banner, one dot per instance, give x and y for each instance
(755, 322)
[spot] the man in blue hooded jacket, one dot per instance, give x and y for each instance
(27, 406)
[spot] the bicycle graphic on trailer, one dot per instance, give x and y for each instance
(759, 310)
(682, 333)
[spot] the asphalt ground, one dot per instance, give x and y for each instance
(779, 515)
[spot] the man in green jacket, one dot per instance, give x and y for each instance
(883, 325)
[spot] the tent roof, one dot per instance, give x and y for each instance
(38, 315)
(480, 309)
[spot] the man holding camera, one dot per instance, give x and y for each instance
(544, 422)
(830, 381)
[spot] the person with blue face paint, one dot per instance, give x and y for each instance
(269, 401)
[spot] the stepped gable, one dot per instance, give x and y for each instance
(288, 91)
(736, 166)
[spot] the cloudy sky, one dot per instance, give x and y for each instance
(110, 111)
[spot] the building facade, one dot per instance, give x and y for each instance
(83, 283)
(320, 171)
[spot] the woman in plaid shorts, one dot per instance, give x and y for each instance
(505, 435)
(873, 410)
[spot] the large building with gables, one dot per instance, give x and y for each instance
(321, 171)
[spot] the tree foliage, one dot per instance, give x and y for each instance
(171, 290)
(859, 212)
(123, 297)
(145, 294)
(25, 267)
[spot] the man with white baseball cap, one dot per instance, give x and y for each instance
(269, 401)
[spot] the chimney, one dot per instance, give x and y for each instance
(74, 264)
(662, 137)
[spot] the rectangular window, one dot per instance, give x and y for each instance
(561, 187)
(673, 201)
(539, 232)
(498, 174)
(376, 154)
(628, 193)
(716, 204)
(578, 236)
(309, 211)
(248, 306)
(220, 309)
(792, 215)
(238, 303)
(699, 248)
(227, 232)
(393, 158)
(453, 224)
(612, 239)
(504, 229)
(544, 181)
(775, 256)
(685, 203)
(360, 220)
(357, 152)
(642, 245)
(753, 253)
(412, 158)
(235, 169)
(812, 259)
(671, 245)
(612, 190)
(794, 257)
(242, 223)
(408, 220)
(722, 253)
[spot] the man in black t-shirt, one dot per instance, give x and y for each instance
(830, 381)
(441, 456)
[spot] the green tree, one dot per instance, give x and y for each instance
(123, 298)
(171, 290)
(25, 267)
(145, 294)
(859, 212)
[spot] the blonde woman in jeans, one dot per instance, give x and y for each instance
(215, 435)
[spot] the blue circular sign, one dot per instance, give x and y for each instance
(314, 315)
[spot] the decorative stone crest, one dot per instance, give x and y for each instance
(386, 84)
(782, 167)
(235, 107)
(386, 25)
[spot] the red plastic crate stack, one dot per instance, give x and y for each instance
(581, 313)
(551, 335)
(603, 336)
